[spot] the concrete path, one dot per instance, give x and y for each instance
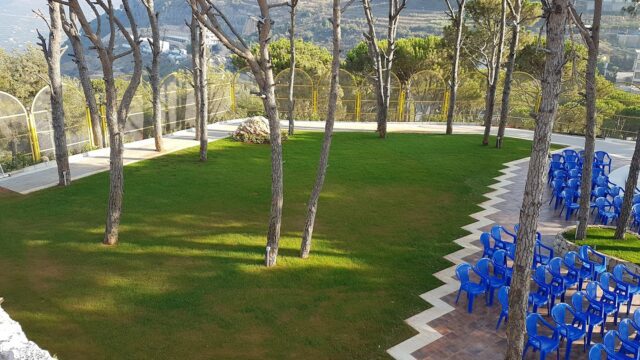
(45, 175)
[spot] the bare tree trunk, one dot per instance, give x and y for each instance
(556, 23)
(195, 65)
(210, 15)
(53, 53)
(458, 19)
(292, 65)
(508, 78)
(495, 76)
(312, 206)
(592, 38)
(630, 188)
(83, 74)
(155, 72)
(117, 109)
(203, 91)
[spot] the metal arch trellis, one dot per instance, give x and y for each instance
(305, 94)
(425, 97)
(17, 132)
(348, 106)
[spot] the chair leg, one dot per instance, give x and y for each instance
(499, 321)
(524, 353)
(589, 333)
(458, 297)
(568, 352)
(629, 304)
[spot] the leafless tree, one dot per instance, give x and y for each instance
(73, 33)
(382, 58)
(556, 13)
(154, 71)
(312, 206)
(117, 109)
(293, 4)
(53, 52)
(515, 10)
(195, 65)
(494, 76)
(591, 37)
(457, 18)
(210, 15)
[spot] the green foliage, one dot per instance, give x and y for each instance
(23, 74)
(412, 55)
(311, 58)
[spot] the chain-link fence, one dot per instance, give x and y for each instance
(27, 135)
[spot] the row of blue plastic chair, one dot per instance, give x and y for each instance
(568, 157)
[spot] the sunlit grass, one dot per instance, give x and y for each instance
(187, 281)
(602, 239)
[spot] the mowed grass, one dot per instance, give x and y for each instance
(186, 280)
(602, 239)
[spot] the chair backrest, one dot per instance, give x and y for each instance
(485, 240)
(573, 183)
(605, 280)
(559, 313)
(636, 199)
(602, 155)
(575, 173)
(555, 266)
(532, 324)
(557, 157)
(499, 258)
(617, 200)
(568, 165)
(571, 158)
(636, 318)
(570, 258)
(503, 297)
(579, 300)
(496, 232)
(462, 272)
(596, 352)
(602, 180)
(566, 152)
(540, 276)
(601, 203)
(615, 191)
(556, 165)
(619, 271)
(601, 191)
(483, 266)
(635, 210)
(591, 291)
(626, 329)
(610, 340)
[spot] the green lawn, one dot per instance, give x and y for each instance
(602, 239)
(187, 281)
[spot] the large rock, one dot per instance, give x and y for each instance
(254, 130)
(14, 344)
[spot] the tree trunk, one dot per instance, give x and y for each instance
(593, 44)
(508, 78)
(455, 67)
(155, 73)
(630, 188)
(85, 81)
(495, 76)
(116, 166)
(53, 55)
(312, 207)
(203, 85)
(556, 24)
(195, 65)
(292, 66)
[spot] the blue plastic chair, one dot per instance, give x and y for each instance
(568, 279)
(589, 314)
(542, 253)
(570, 165)
(566, 152)
(635, 216)
(545, 344)
(636, 199)
(604, 211)
(570, 326)
(571, 203)
(576, 268)
(596, 351)
(606, 305)
(617, 205)
(557, 157)
(557, 185)
(473, 289)
(596, 266)
(629, 338)
(575, 174)
(609, 341)
(487, 249)
(626, 282)
(503, 299)
(501, 242)
(501, 266)
(603, 160)
(618, 295)
(571, 158)
(492, 280)
(554, 286)
(598, 192)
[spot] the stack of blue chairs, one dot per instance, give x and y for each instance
(598, 295)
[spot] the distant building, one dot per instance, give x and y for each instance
(608, 6)
(636, 68)
(146, 48)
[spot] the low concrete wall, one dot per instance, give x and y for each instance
(14, 344)
(561, 246)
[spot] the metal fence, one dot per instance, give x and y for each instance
(26, 135)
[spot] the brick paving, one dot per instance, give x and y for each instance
(473, 336)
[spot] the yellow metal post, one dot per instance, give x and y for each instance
(233, 96)
(315, 101)
(103, 117)
(35, 143)
(400, 110)
(89, 126)
(445, 104)
(358, 106)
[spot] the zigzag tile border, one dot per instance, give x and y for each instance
(426, 334)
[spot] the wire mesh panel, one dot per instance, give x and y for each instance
(77, 129)
(219, 94)
(424, 95)
(368, 99)
(470, 104)
(571, 115)
(302, 92)
(523, 100)
(248, 104)
(178, 102)
(15, 141)
(139, 123)
(346, 107)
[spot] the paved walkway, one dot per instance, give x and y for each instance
(45, 175)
